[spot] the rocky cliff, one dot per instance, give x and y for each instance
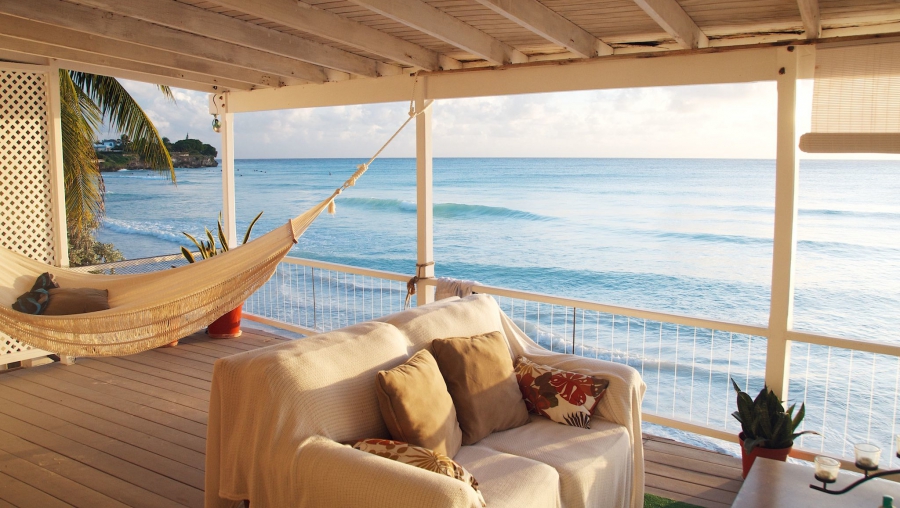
(110, 161)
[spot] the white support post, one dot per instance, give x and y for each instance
(229, 217)
(784, 248)
(57, 180)
(424, 194)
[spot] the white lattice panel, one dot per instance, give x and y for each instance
(26, 220)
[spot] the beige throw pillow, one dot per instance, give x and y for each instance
(480, 377)
(416, 406)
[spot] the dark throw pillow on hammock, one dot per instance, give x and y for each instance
(32, 302)
(46, 281)
(66, 301)
(36, 300)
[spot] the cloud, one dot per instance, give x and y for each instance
(726, 121)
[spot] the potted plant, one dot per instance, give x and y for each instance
(229, 325)
(767, 429)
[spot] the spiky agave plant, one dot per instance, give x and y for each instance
(764, 421)
(207, 248)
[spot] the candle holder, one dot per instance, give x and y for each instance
(867, 456)
(827, 469)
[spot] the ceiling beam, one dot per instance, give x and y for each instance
(812, 21)
(436, 23)
(116, 67)
(306, 18)
(672, 18)
(48, 34)
(122, 28)
(192, 19)
(550, 25)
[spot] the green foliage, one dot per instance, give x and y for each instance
(208, 247)
(85, 101)
(764, 421)
(651, 501)
(110, 161)
(194, 146)
(88, 251)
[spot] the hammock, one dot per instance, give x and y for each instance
(153, 309)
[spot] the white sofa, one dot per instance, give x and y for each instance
(278, 415)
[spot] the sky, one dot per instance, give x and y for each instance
(705, 121)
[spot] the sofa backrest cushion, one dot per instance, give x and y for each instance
(465, 317)
(321, 385)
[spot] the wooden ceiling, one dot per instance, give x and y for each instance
(244, 45)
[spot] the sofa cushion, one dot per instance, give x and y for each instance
(419, 456)
(562, 396)
(480, 378)
(452, 317)
(416, 406)
(508, 481)
(594, 465)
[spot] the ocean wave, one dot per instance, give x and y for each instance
(154, 229)
(849, 213)
(445, 210)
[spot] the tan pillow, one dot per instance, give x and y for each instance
(479, 375)
(65, 301)
(416, 406)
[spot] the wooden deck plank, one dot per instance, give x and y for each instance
(51, 483)
(116, 416)
(157, 372)
(200, 403)
(148, 413)
(78, 419)
(22, 494)
(148, 379)
(148, 470)
(82, 473)
(71, 377)
(131, 430)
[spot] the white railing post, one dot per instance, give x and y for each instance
(219, 105)
(424, 194)
(784, 248)
(57, 179)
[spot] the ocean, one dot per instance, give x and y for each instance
(685, 236)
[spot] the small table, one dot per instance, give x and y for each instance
(775, 484)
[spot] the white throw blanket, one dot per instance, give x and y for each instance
(447, 287)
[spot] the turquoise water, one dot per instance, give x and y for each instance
(690, 236)
(687, 236)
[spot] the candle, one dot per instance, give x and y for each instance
(827, 469)
(867, 456)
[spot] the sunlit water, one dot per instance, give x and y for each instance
(686, 236)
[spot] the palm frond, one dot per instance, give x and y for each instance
(167, 92)
(80, 120)
(127, 117)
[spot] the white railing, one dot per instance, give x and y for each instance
(850, 387)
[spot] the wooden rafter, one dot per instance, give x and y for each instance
(24, 51)
(545, 22)
(303, 17)
(192, 19)
(436, 23)
(51, 35)
(672, 18)
(812, 21)
(122, 28)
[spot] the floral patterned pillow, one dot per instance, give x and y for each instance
(419, 457)
(564, 397)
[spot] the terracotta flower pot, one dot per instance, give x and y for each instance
(227, 326)
(758, 451)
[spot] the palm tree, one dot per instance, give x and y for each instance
(87, 100)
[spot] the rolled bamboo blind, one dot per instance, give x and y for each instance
(856, 100)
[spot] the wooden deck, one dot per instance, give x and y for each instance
(130, 431)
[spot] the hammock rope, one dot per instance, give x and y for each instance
(153, 309)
